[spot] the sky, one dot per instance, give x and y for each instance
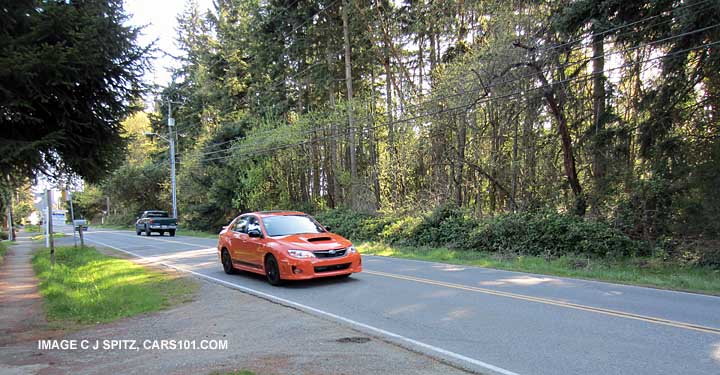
(160, 20)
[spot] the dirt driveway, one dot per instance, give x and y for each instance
(261, 336)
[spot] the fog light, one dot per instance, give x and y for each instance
(296, 270)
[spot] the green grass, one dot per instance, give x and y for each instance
(87, 287)
(650, 272)
(112, 226)
(3, 250)
(30, 228)
(196, 233)
(42, 236)
(180, 232)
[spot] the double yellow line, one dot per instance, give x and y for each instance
(547, 301)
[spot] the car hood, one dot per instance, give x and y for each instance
(314, 241)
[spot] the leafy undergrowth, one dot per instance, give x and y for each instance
(87, 287)
(644, 271)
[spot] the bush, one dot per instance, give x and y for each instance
(548, 234)
(551, 234)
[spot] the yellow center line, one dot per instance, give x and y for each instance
(547, 301)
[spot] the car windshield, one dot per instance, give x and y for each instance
(291, 224)
(157, 214)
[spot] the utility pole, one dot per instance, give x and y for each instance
(171, 139)
(49, 239)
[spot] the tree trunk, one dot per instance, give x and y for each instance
(599, 118)
(349, 84)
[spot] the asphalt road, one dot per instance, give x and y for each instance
(487, 320)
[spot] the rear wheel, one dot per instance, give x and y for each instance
(162, 233)
(272, 271)
(227, 262)
(147, 230)
(138, 232)
(172, 233)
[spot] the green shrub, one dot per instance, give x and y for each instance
(551, 234)
(548, 234)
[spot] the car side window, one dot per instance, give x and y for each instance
(253, 223)
(241, 225)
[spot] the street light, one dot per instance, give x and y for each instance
(171, 140)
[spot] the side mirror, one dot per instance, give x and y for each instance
(255, 233)
(327, 228)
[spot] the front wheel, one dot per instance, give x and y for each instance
(147, 231)
(172, 233)
(272, 271)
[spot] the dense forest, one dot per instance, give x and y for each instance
(400, 114)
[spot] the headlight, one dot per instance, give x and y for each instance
(351, 250)
(301, 254)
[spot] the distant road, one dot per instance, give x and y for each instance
(487, 320)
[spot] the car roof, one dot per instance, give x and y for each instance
(277, 213)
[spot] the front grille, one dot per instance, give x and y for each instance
(334, 267)
(330, 253)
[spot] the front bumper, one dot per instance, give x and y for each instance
(303, 269)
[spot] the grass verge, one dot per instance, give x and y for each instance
(30, 228)
(87, 287)
(42, 236)
(180, 232)
(650, 272)
(3, 250)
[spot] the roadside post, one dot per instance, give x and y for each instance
(82, 239)
(11, 226)
(72, 217)
(49, 238)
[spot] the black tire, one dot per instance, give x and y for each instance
(172, 232)
(272, 271)
(226, 261)
(162, 233)
(137, 231)
(345, 276)
(147, 230)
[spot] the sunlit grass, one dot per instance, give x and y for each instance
(30, 228)
(196, 233)
(179, 232)
(85, 286)
(42, 236)
(636, 271)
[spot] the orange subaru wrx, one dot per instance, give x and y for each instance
(285, 245)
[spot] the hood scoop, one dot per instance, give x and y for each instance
(318, 239)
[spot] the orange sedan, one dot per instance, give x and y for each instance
(285, 245)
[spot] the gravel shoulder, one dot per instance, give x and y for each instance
(262, 336)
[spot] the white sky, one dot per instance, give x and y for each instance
(160, 20)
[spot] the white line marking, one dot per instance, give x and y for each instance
(286, 302)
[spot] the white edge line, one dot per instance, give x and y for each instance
(284, 301)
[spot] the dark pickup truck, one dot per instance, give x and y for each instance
(155, 221)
